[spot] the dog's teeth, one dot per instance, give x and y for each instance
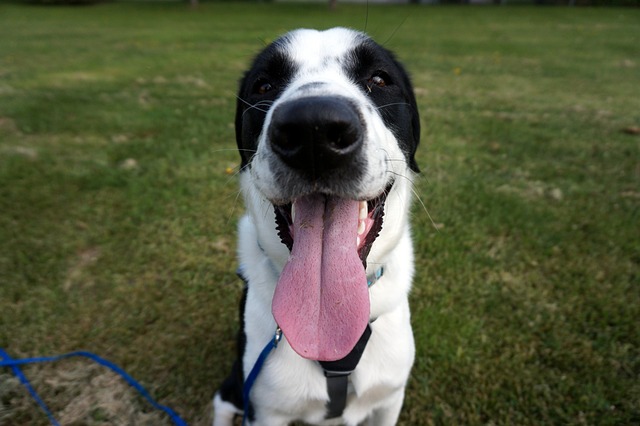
(360, 227)
(357, 241)
(364, 211)
(293, 213)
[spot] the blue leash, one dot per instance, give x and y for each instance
(253, 374)
(14, 364)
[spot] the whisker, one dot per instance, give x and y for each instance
(232, 149)
(257, 105)
(243, 101)
(241, 169)
(238, 193)
(393, 104)
(265, 102)
(425, 209)
(412, 186)
(395, 30)
(366, 18)
(235, 204)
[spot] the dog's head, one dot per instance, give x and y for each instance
(338, 63)
(326, 124)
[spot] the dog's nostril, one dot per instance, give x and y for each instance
(316, 134)
(341, 135)
(286, 137)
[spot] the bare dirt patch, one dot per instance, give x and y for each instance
(78, 393)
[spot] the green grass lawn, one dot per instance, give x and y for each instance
(118, 206)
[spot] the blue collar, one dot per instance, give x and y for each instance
(375, 277)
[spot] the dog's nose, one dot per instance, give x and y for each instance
(316, 134)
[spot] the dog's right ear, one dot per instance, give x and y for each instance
(259, 88)
(241, 105)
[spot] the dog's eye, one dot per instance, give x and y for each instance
(262, 86)
(380, 79)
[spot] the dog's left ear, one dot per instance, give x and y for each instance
(414, 137)
(415, 126)
(409, 136)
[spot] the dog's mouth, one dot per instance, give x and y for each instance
(321, 301)
(370, 218)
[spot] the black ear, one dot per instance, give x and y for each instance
(240, 108)
(411, 146)
(408, 138)
(415, 125)
(273, 66)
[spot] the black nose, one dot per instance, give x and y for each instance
(316, 134)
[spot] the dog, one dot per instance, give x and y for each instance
(327, 128)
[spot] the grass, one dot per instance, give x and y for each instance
(118, 212)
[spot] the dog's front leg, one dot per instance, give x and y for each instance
(388, 414)
(223, 412)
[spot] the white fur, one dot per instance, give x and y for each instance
(290, 387)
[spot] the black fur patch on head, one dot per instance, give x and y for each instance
(269, 74)
(387, 83)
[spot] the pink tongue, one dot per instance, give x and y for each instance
(321, 301)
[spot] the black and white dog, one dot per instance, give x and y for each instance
(327, 127)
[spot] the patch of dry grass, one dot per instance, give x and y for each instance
(78, 394)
